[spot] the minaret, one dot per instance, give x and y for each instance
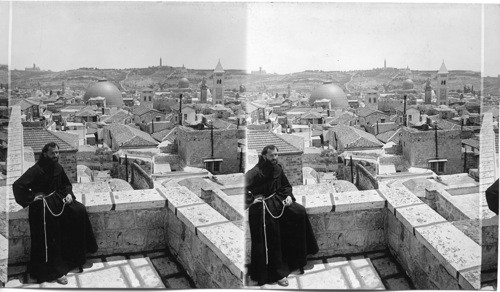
(385, 64)
(160, 61)
(218, 90)
(428, 92)
(203, 90)
(289, 89)
(442, 85)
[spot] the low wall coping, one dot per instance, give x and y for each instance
(325, 202)
(398, 197)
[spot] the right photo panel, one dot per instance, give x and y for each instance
(372, 146)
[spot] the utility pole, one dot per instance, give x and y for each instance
(126, 168)
(465, 159)
(352, 171)
(436, 138)
(404, 111)
(180, 109)
(212, 136)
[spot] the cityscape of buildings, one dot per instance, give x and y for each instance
(391, 163)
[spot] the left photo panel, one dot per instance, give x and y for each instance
(4, 123)
(126, 134)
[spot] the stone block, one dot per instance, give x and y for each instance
(156, 238)
(398, 197)
(149, 277)
(318, 203)
(116, 260)
(131, 276)
(226, 240)
(113, 239)
(114, 279)
(385, 267)
(196, 216)
(97, 221)
(331, 241)
(179, 197)
(418, 215)
(330, 279)
(98, 202)
(336, 262)
(372, 219)
(151, 218)
(351, 277)
(138, 199)
(178, 283)
(19, 228)
(398, 284)
(317, 223)
(165, 266)
(340, 221)
(450, 246)
(119, 220)
(226, 279)
(369, 278)
(360, 200)
(135, 239)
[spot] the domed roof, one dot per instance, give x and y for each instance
(408, 84)
(332, 92)
(104, 89)
(183, 83)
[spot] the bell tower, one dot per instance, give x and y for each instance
(218, 89)
(442, 85)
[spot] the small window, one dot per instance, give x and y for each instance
(158, 118)
(185, 116)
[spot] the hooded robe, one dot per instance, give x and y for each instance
(69, 236)
(290, 238)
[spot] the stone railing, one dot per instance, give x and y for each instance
(208, 246)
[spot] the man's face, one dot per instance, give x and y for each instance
(272, 155)
(53, 154)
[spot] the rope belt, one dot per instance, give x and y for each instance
(46, 205)
(264, 208)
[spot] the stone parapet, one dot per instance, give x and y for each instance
(205, 242)
(435, 253)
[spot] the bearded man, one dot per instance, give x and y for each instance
(61, 233)
(280, 230)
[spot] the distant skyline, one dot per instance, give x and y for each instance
(279, 37)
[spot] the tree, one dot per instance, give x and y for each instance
(328, 157)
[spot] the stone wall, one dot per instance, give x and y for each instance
(173, 159)
(292, 165)
(195, 145)
(443, 206)
(140, 179)
(68, 162)
(419, 146)
(364, 179)
(221, 202)
(433, 252)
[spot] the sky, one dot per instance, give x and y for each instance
(279, 37)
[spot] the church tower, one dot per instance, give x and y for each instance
(218, 89)
(160, 61)
(428, 92)
(442, 85)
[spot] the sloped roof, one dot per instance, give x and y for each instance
(25, 104)
(36, 138)
(118, 117)
(471, 142)
(366, 111)
(86, 112)
(354, 138)
(141, 109)
(311, 115)
(223, 125)
(218, 68)
(70, 138)
(158, 136)
(125, 135)
(257, 140)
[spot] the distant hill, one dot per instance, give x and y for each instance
(161, 78)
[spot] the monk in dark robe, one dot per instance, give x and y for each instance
(62, 243)
(281, 241)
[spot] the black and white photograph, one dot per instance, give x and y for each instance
(257, 145)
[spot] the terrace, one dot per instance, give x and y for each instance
(189, 232)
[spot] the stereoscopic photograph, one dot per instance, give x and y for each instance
(254, 145)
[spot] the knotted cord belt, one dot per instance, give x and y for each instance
(46, 206)
(264, 208)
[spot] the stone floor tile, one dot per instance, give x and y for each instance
(351, 277)
(398, 284)
(138, 261)
(132, 278)
(165, 266)
(116, 260)
(336, 261)
(385, 267)
(369, 278)
(359, 262)
(292, 284)
(178, 283)
(314, 266)
(149, 277)
(111, 277)
(326, 279)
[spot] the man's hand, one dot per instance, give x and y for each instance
(288, 201)
(69, 199)
(38, 196)
(258, 199)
